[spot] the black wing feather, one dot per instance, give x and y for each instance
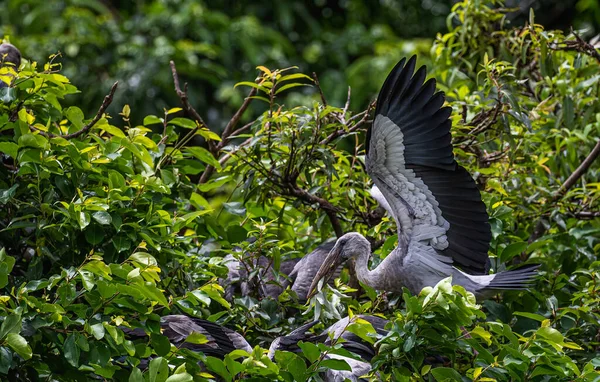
(412, 104)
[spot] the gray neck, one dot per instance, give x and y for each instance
(385, 276)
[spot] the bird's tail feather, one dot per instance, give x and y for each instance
(521, 278)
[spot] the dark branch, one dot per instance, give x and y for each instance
(235, 119)
(318, 85)
(107, 101)
(571, 180)
(325, 205)
(228, 134)
(184, 98)
(338, 133)
(579, 45)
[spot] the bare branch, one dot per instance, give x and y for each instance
(579, 45)
(341, 132)
(318, 85)
(228, 134)
(107, 101)
(235, 119)
(184, 98)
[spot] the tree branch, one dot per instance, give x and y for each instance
(357, 125)
(318, 85)
(571, 180)
(187, 107)
(325, 205)
(579, 45)
(235, 119)
(107, 101)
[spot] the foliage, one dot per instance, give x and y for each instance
(104, 225)
(217, 43)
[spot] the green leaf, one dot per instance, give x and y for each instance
(335, 364)
(6, 359)
(512, 250)
(196, 338)
(297, 367)
(71, 351)
(483, 334)
(182, 377)
(160, 343)
(9, 148)
(158, 370)
(6, 195)
(112, 130)
(83, 218)
(75, 116)
(11, 324)
(183, 122)
(99, 268)
(102, 217)
(151, 120)
(218, 366)
(94, 234)
(143, 259)
(310, 351)
(216, 183)
(445, 374)
(252, 85)
(97, 330)
(533, 316)
(19, 345)
(204, 155)
(551, 335)
(363, 329)
(293, 77)
(289, 86)
(152, 293)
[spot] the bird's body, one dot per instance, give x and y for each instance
(222, 341)
(9, 56)
(442, 223)
(296, 273)
(337, 333)
(178, 327)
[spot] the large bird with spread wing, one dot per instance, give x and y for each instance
(442, 222)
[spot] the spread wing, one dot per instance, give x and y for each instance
(410, 159)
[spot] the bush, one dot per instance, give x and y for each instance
(105, 224)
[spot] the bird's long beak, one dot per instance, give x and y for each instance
(330, 264)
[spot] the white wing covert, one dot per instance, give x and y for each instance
(409, 157)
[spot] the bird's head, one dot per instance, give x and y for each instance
(346, 247)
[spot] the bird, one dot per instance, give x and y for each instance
(297, 273)
(9, 56)
(222, 341)
(337, 333)
(442, 222)
(178, 327)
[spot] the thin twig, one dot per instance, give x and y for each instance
(107, 101)
(187, 107)
(228, 134)
(318, 85)
(235, 119)
(340, 132)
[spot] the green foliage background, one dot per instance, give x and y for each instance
(113, 228)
